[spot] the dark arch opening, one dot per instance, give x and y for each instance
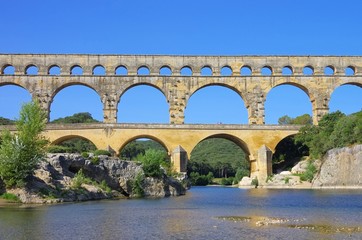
(216, 104)
(246, 71)
(76, 98)
(287, 154)
(350, 71)
(165, 71)
(329, 70)
(143, 104)
(346, 98)
(8, 70)
(143, 70)
(308, 70)
(99, 70)
(223, 156)
(266, 71)
(206, 71)
(14, 96)
(54, 70)
(72, 144)
(76, 70)
(226, 71)
(287, 71)
(121, 70)
(286, 100)
(31, 70)
(186, 71)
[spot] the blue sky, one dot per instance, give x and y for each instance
(233, 27)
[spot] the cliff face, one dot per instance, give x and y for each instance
(341, 167)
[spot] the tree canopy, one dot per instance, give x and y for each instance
(304, 119)
(83, 117)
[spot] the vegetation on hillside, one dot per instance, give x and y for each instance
(334, 130)
(304, 119)
(217, 157)
(83, 117)
(137, 147)
(21, 152)
(6, 121)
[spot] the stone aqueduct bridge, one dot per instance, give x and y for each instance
(178, 138)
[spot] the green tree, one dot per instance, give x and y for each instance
(152, 161)
(6, 121)
(83, 117)
(21, 152)
(304, 119)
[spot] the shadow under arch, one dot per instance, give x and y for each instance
(239, 142)
(242, 110)
(287, 153)
(165, 103)
(69, 137)
(143, 136)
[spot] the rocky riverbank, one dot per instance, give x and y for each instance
(339, 168)
(71, 177)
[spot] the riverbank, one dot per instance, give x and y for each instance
(72, 177)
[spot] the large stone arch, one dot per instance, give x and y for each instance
(61, 139)
(303, 87)
(152, 137)
(139, 82)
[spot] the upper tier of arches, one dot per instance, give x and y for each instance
(111, 65)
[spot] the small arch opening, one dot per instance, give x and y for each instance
(329, 70)
(99, 70)
(143, 70)
(266, 71)
(350, 71)
(54, 70)
(206, 71)
(121, 70)
(8, 70)
(246, 71)
(226, 71)
(165, 71)
(186, 71)
(76, 70)
(287, 71)
(308, 70)
(31, 70)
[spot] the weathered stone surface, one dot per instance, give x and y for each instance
(245, 182)
(52, 180)
(340, 167)
(300, 167)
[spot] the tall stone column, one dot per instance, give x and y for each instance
(254, 102)
(177, 101)
(179, 159)
(320, 106)
(110, 102)
(44, 98)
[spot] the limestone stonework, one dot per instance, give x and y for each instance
(35, 73)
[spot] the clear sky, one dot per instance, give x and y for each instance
(202, 27)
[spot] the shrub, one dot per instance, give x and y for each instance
(58, 149)
(308, 175)
(102, 152)
(227, 181)
(151, 162)
(201, 180)
(255, 182)
(137, 188)
(10, 197)
(95, 160)
(21, 152)
(85, 154)
(79, 179)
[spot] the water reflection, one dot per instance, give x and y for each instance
(204, 213)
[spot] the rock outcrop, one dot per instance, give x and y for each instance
(53, 180)
(341, 167)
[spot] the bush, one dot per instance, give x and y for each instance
(137, 188)
(58, 149)
(227, 181)
(21, 152)
(151, 162)
(79, 179)
(10, 197)
(99, 152)
(201, 180)
(308, 175)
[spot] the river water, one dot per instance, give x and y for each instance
(203, 213)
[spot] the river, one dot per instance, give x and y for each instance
(203, 213)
